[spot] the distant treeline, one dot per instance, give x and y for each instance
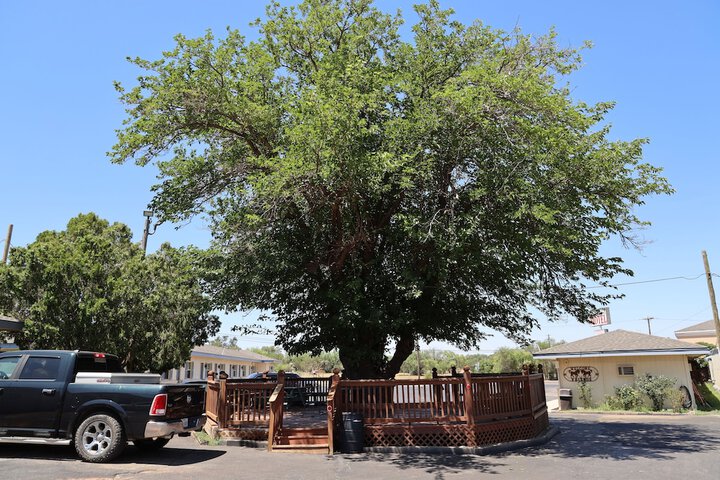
(504, 360)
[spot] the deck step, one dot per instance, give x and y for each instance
(320, 448)
(305, 431)
(292, 440)
(303, 438)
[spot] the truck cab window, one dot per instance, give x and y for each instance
(40, 368)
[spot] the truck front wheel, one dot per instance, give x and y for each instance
(100, 438)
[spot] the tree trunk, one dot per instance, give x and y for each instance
(366, 360)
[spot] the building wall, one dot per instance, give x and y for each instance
(711, 339)
(199, 365)
(714, 364)
(608, 377)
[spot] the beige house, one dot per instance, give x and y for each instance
(236, 363)
(611, 359)
(8, 325)
(702, 332)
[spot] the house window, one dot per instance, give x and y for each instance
(233, 371)
(243, 371)
(189, 369)
(626, 370)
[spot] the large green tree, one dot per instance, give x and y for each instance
(369, 191)
(89, 287)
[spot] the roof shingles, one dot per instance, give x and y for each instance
(619, 341)
(232, 353)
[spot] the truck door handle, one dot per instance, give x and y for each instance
(48, 391)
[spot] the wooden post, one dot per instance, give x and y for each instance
(281, 377)
(528, 393)
(222, 399)
(525, 369)
(469, 409)
(468, 396)
(338, 399)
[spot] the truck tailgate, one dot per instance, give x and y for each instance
(185, 401)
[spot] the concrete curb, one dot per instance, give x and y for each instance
(487, 450)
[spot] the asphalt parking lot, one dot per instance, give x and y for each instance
(590, 446)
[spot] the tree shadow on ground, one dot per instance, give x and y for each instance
(439, 465)
(614, 439)
(167, 456)
(624, 440)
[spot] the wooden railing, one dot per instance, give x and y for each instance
(231, 403)
(467, 399)
(276, 413)
(537, 395)
(404, 401)
(333, 415)
(248, 402)
(213, 406)
(315, 389)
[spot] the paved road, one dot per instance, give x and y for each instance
(588, 447)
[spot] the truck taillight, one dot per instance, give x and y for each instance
(159, 404)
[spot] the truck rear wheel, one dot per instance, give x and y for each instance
(150, 444)
(100, 438)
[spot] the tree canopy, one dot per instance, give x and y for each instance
(89, 287)
(370, 191)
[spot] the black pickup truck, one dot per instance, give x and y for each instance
(86, 399)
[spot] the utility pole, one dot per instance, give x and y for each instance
(713, 303)
(7, 245)
(146, 231)
(648, 320)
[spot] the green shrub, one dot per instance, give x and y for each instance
(676, 397)
(656, 387)
(585, 394)
(626, 397)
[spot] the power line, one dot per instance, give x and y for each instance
(651, 281)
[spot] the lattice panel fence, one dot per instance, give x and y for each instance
(449, 435)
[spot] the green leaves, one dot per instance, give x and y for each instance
(368, 191)
(90, 288)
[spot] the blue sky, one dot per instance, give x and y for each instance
(660, 61)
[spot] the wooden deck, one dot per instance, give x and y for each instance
(459, 410)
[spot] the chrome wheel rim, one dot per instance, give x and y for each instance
(97, 437)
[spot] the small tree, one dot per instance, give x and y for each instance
(656, 387)
(506, 360)
(585, 394)
(89, 287)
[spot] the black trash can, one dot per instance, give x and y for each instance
(565, 399)
(352, 437)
